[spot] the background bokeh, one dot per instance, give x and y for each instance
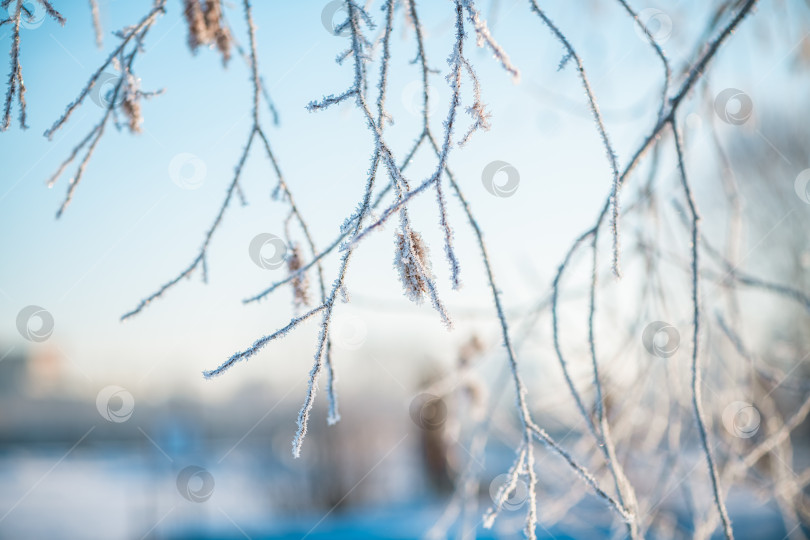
(70, 468)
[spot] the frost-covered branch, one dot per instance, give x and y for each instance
(94, 12)
(16, 85)
(260, 343)
(124, 97)
(387, 189)
(658, 51)
(611, 154)
(697, 402)
(199, 260)
(282, 189)
(127, 35)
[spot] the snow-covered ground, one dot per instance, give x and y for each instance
(100, 494)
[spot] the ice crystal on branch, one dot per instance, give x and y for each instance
(387, 190)
(16, 86)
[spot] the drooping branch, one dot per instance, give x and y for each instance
(697, 402)
(389, 186)
(16, 84)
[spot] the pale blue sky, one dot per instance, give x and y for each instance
(130, 228)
